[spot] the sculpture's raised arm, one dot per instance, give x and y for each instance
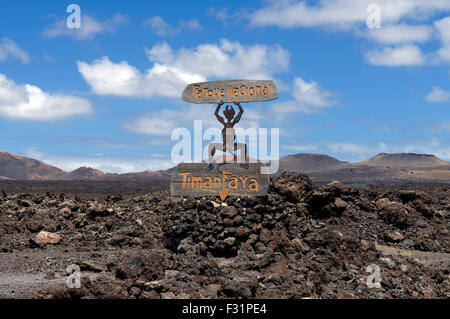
(219, 118)
(241, 111)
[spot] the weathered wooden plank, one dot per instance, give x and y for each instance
(202, 179)
(229, 91)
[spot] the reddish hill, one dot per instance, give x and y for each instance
(24, 168)
(86, 173)
(15, 167)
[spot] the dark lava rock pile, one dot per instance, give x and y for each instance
(296, 242)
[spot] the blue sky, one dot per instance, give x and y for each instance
(109, 94)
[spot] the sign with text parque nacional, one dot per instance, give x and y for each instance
(229, 91)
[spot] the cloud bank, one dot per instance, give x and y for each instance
(90, 27)
(29, 102)
(172, 70)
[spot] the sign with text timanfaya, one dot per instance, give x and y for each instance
(203, 179)
(231, 91)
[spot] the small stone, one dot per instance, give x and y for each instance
(92, 266)
(44, 237)
(340, 204)
(242, 231)
(212, 290)
(135, 291)
(149, 295)
(215, 204)
(364, 245)
(65, 212)
(227, 222)
(388, 262)
(171, 274)
(25, 203)
(394, 237)
(186, 246)
(50, 275)
(230, 241)
(229, 211)
(383, 203)
(304, 248)
(168, 295)
(440, 213)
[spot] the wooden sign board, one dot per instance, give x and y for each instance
(223, 179)
(231, 91)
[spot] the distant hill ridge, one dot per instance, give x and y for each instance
(405, 160)
(15, 167)
(310, 162)
(23, 168)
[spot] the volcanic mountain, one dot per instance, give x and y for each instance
(15, 167)
(304, 162)
(85, 173)
(24, 168)
(405, 160)
(383, 168)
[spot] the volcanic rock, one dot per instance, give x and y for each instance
(44, 237)
(294, 186)
(299, 241)
(393, 236)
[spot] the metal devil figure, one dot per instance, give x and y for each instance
(238, 177)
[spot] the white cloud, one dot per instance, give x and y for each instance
(342, 14)
(402, 23)
(438, 95)
(226, 59)
(29, 102)
(443, 27)
(401, 34)
(302, 147)
(121, 79)
(172, 70)
(9, 49)
(90, 27)
(159, 26)
(191, 25)
(408, 55)
(222, 14)
(310, 94)
(349, 148)
(162, 123)
(308, 97)
(163, 29)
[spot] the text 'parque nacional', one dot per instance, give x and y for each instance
(231, 91)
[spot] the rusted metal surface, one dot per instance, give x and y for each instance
(228, 133)
(231, 91)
